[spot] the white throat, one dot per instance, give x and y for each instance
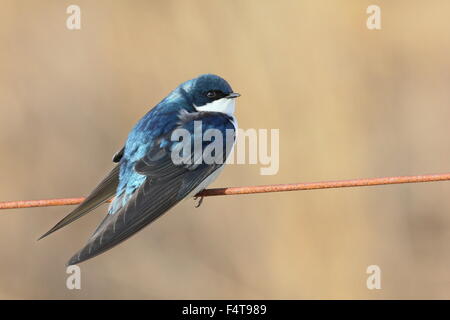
(224, 105)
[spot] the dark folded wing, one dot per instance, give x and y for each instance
(148, 203)
(103, 192)
(165, 185)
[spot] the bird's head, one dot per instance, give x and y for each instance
(209, 92)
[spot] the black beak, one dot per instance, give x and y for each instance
(233, 95)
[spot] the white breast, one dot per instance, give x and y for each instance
(223, 105)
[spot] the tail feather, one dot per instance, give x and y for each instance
(102, 193)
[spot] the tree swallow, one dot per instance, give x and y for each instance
(147, 181)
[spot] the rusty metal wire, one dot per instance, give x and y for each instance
(255, 189)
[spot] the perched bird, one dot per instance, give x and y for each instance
(147, 181)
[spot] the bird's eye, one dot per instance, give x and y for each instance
(215, 94)
(211, 94)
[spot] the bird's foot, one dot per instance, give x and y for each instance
(200, 201)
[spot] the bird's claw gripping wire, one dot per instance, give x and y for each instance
(200, 201)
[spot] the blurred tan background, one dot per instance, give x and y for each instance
(349, 103)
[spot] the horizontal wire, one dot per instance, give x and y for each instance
(255, 189)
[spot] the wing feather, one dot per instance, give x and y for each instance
(165, 185)
(147, 204)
